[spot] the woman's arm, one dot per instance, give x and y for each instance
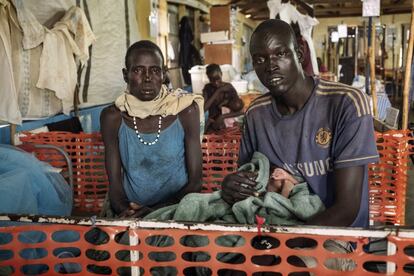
(190, 119)
(110, 121)
(217, 97)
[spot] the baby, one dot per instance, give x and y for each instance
(281, 182)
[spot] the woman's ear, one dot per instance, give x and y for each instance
(125, 74)
(164, 74)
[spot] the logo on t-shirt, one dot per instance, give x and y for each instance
(323, 137)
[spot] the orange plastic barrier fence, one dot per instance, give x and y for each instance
(388, 179)
(220, 154)
(88, 160)
(132, 248)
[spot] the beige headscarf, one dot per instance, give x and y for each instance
(167, 103)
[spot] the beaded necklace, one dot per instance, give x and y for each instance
(139, 136)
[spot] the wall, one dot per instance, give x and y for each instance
(143, 8)
(320, 32)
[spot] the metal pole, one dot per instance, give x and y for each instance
(372, 69)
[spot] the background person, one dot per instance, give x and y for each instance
(221, 101)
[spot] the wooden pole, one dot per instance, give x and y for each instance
(372, 70)
(12, 133)
(407, 75)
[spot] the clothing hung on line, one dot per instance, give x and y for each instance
(153, 174)
(35, 57)
(333, 130)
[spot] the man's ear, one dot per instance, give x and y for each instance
(125, 74)
(301, 50)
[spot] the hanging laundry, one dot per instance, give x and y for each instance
(70, 36)
(9, 109)
(288, 13)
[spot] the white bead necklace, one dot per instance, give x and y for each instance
(139, 136)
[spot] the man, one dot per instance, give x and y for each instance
(320, 130)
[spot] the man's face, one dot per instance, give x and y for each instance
(275, 61)
(145, 74)
(215, 78)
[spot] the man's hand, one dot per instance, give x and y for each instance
(238, 186)
(135, 210)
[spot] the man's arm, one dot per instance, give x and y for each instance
(110, 121)
(348, 193)
(237, 186)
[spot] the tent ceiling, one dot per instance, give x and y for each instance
(323, 8)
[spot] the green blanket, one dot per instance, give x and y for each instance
(275, 208)
(198, 207)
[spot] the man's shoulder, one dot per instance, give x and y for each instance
(339, 92)
(261, 102)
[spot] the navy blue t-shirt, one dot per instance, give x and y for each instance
(333, 130)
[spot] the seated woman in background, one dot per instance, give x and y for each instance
(221, 101)
(152, 138)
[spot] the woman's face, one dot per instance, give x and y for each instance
(145, 74)
(215, 78)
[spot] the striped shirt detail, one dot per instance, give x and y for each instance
(356, 159)
(262, 100)
(358, 98)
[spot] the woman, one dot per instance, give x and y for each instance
(152, 138)
(222, 103)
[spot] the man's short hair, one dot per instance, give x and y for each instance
(270, 26)
(211, 68)
(140, 45)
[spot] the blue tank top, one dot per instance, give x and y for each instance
(153, 174)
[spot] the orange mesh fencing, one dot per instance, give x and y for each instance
(86, 151)
(128, 248)
(51, 155)
(388, 179)
(220, 154)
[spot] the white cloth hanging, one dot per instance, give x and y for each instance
(70, 36)
(288, 13)
(9, 108)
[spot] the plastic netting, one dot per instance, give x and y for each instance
(132, 248)
(86, 151)
(387, 179)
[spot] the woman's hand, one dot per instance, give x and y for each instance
(135, 210)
